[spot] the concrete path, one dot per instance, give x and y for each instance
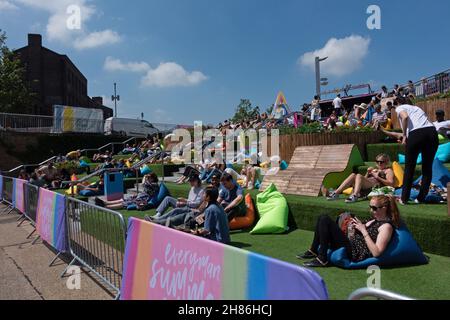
(25, 273)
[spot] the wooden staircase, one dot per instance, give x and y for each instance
(310, 166)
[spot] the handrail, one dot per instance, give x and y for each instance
(137, 165)
(376, 293)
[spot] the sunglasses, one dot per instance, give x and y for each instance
(380, 162)
(375, 208)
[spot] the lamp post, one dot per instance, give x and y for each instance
(115, 98)
(318, 82)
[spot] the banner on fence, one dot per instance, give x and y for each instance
(1, 188)
(162, 263)
(18, 195)
(50, 219)
(71, 119)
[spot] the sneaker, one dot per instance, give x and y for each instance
(307, 255)
(333, 196)
(351, 199)
(316, 263)
(148, 218)
(417, 201)
(156, 216)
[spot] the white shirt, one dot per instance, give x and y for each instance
(337, 102)
(417, 118)
(443, 124)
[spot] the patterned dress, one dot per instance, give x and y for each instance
(360, 251)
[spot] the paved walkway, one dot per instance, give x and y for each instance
(25, 273)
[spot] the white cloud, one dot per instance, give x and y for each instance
(7, 5)
(112, 65)
(171, 74)
(97, 39)
(344, 56)
(57, 29)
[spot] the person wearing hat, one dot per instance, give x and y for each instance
(419, 135)
(442, 125)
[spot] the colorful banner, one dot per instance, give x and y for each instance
(76, 119)
(1, 188)
(281, 103)
(162, 263)
(18, 198)
(50, 219)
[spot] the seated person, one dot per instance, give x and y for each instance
(23, 175)
(36, 180)
(180, 205)
(96, 188)
(128, 150)
(365, 239)
(188, 172)
(49, 173)
(150, 185)
(231, 197)
(99, 157)
(216, 223)
(379, 118)
(74, 155)
(381, 176)
(442, 126)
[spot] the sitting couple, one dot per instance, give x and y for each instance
(380, 176)
(368, 239)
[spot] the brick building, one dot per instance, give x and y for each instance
(55, 80)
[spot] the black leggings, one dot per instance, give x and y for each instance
(328, 236)
(190, 171)
(423, 141)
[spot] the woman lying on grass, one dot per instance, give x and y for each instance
(381, 176)
(367, 240)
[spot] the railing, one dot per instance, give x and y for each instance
(31, 194)
(97, 240)
(376, 293)
(26, 123)
(436, 84)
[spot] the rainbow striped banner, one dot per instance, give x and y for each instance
(17, 196)
(50, 219)
(162, 263)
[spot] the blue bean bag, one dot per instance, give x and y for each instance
(145, 170)
(441, 177)
(83, 164)
(284, 165)
(157, 199)
(442, 154)
(90, 193)
(402, 250)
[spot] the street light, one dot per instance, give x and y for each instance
(115, 98)
(318, 79)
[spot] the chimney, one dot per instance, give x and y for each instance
(98, 100)
(34, 40)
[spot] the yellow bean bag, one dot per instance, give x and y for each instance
(398, 178)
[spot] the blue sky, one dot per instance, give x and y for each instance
(184, 60)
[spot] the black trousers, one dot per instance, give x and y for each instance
(328, 236)
(423, 141)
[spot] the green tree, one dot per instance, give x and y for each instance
(14, 94)
(244, 111)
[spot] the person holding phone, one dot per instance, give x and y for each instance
(369, 239)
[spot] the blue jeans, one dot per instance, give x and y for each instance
(166, 203)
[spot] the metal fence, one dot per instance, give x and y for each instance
(31, 194)
(376, 293)
(7, 193)
(97, 240)
(26, 123)
(437, 84)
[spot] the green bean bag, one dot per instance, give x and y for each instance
(273, 212)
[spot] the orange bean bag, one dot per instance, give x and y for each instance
(248, 220)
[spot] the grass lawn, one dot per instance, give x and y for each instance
(420, 282)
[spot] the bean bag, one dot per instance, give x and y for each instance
(402, 250)
(90, 193)
(248, 220)
(441, 138)
(442, 154)
(157, 199)
(145, 170)
(84, 164)
(273, 211)
(441, 177)
(284, 165)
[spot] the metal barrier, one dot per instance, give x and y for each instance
(31, 195)
(96, 240)
(26, 122)
(376, 293)
(7, 194)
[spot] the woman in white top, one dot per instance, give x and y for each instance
(420, 136)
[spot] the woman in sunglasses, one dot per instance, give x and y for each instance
(367, 240)
(380, 176)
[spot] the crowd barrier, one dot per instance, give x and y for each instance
(156, 262)
(96, 240)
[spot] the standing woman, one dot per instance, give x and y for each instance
(419, 136)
